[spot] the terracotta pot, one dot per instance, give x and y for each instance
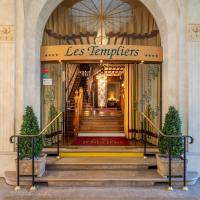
(25, 166)
(163, 166)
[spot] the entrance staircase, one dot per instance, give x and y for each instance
(96, 171)
(99, 121)
(93, 121)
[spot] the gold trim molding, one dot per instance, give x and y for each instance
(194, 32)
(7, 33)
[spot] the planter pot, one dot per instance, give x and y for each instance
(25, 166)
(163, 166)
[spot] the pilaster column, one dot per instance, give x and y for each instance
(194, 85)
(7, 73)
(19, 66)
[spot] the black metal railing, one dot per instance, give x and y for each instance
(17, 139)
(185, 139)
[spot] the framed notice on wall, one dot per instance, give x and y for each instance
(47, 81)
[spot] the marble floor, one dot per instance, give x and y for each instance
(92, 193)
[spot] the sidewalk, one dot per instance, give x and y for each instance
(92, 193)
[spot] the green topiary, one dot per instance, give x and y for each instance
(172, 126)
(29, 127)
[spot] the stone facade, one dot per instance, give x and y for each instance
(24, 22)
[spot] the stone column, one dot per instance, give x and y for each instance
(7, 82)
(19, 69)
(194, 85)
(7, 73)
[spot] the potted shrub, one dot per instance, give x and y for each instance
(172, 126)
(30, 127)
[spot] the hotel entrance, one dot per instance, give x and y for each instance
(103, 102)
(101, 73)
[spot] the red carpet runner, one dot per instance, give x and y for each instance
(107, 141)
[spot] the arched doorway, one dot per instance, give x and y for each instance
(35, 23)
(66, 26)
(36, 19)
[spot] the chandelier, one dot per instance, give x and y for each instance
(101, 76)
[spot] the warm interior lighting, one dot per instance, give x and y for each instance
(101, 38)
(102, 88)
(142, 62)
(112, 96)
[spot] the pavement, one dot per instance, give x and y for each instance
(44, 192)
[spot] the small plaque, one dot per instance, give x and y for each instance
(47, 81)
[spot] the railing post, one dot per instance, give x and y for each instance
(17, 188)
(145, 140)
(170, 188)
(58, 145)
(63, 126)
(33, 188)
(76, 101)
(185, 188)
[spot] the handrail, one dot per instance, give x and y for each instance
(182, 137)
(41, 132)
(164, 135)
(47, 126)
(33, 150)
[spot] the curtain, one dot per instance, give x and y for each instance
(52, 95)
(62, 23)
(142, 93)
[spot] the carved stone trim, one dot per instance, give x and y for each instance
(194, 32)
(7, 33)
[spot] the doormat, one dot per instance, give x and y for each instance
(101, 141)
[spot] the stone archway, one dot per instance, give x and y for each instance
(38, 12)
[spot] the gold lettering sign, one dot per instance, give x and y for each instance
(101, 52)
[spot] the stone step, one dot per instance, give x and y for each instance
(104, 122)
(94, 129)
(102, 154)
(104, 125)
(102, 134)
(75, 148)
(100, 163)
(102, 131)
(99, 178)
(105, 118)
(99, 120)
